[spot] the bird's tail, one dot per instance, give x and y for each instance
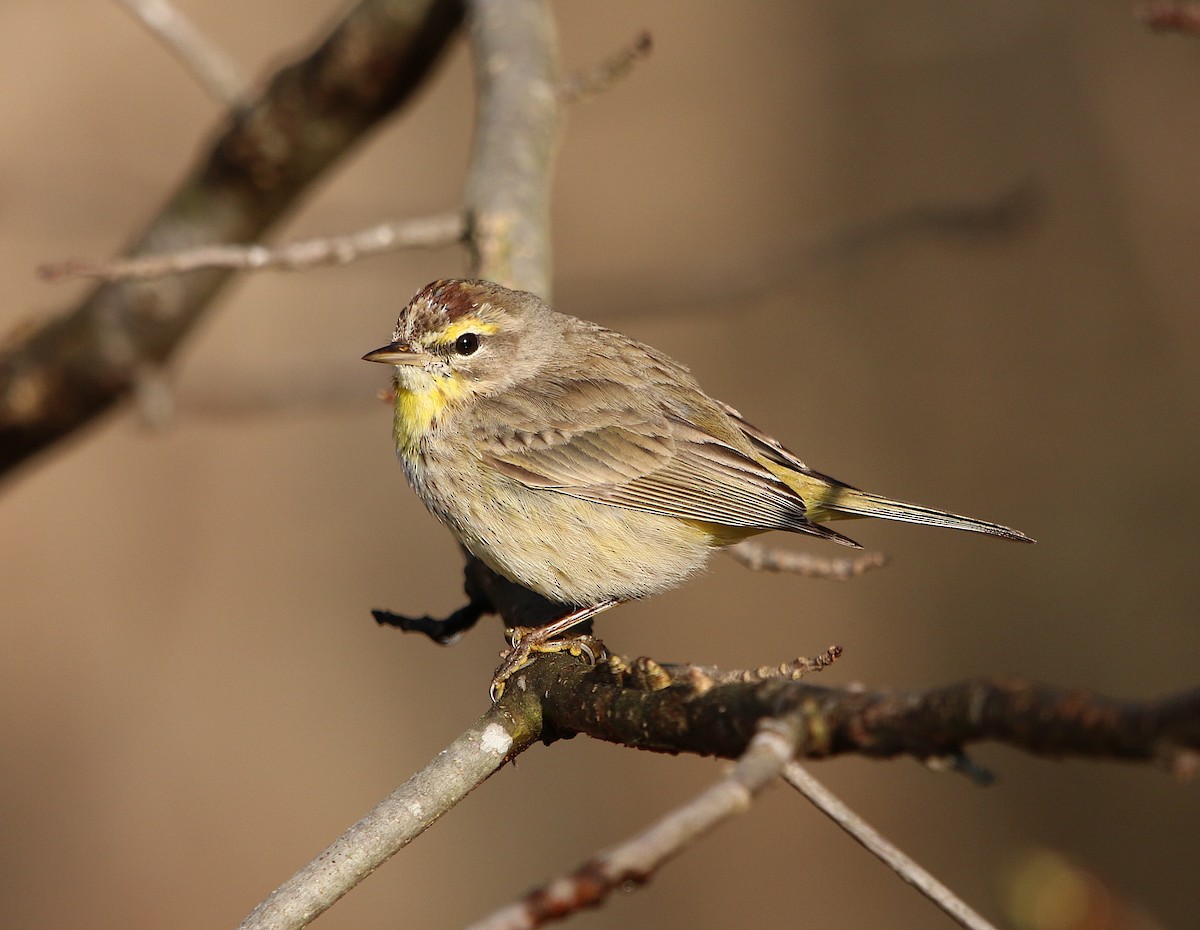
(828, 499)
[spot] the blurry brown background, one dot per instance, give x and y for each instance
(193, 696)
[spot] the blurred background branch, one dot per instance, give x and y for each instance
(215, 71)
(58, 375)
(1171, 17)
(426, 232)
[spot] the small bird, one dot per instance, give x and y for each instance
(585, 465)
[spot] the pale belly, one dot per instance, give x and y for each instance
(571, 551)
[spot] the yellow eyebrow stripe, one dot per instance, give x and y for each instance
(457, 328)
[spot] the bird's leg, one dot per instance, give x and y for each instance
(525, 641)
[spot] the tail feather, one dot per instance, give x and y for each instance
(854, 503)
(828, 499)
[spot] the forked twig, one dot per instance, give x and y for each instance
(636, 860)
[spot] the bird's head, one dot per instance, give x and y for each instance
(458, 338)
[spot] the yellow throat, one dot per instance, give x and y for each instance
(422, 397)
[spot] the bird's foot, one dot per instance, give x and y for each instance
(526, 642)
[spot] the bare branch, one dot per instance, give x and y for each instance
(584, 85)
(515, 53)
(558, 695)
(1006, 214)
(429, 232)
(401, 817)
(638, 858)
(877, 844)
(507, 202)
(516, 136)
(58, 375)
(759, 557)
(685, 716)
(1170, 17)
(710, 676)
(210, 66)
(646, 674)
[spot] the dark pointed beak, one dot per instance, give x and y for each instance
(395, 353)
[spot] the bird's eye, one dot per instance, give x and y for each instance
(466, 344)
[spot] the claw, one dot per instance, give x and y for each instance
(525, 641)
(529, 643)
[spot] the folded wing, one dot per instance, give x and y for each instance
(616, 447)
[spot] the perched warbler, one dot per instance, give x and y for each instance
(585, 465)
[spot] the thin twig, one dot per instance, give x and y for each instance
(637, 859)
(701, 676)
(426, 233)
(759, 557)
(1171, 17)
(584, 85)
(499, 735)
(874, 842)
(645, 674)
(209, 65)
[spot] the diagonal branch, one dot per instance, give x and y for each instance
(637, 859)
(401, 817)
(878, 845)
(59, 375)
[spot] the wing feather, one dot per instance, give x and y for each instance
(776, 451)
(623, 449)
